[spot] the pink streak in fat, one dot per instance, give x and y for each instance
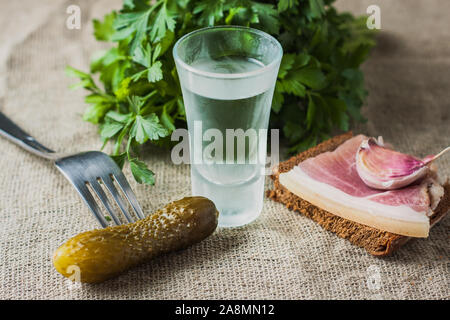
(415, 196)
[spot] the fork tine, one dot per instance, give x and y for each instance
(102, 196)
(89, 166)
(125, 186)
(110, 185)
(90, 202)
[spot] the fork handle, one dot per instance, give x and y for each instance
(14, 133)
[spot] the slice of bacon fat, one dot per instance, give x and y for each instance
(331, 182)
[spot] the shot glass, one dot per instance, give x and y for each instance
(227, 75)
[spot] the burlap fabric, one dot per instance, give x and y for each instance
(280, 256)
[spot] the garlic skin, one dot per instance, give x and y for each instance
(382, 168)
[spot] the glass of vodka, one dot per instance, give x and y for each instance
(227, 76)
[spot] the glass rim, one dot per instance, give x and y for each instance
(218, 75)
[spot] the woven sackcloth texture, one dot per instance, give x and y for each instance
(282, 255)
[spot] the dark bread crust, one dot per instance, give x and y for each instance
(376, 242)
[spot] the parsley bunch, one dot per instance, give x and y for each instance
(320, 87)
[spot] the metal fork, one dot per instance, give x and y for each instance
(82, 169)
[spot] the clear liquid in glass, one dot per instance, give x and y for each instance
(235, 188)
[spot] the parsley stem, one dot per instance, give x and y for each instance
(156, 5)
(151, 94)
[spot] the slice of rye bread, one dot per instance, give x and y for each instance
(376, 242)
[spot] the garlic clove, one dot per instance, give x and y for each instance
(386, 169)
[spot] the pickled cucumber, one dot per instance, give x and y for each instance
(97, 255)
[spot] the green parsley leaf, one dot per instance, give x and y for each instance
(166, 119)
(165, 20)
(277, 101)
(317, 8)
(136, 104)
(143, 56)
(103, 31)
(211, 11)
(283, 5)
(110, 129)
(311, 77)
(118, 117)
(148, 128)
(286, 64)
(267, 16)
(94, 113)
(120, 159)
(130, 22)
(155, 72)
(292, 85)
(141, 173)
